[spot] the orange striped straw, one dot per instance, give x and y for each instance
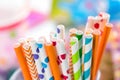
(52, 55)
(96, 37)
(101, 47)
(22, 61)
(30, 61)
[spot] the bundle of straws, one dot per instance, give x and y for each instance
(75, 58)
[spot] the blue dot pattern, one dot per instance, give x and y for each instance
(52, 78)
(41, 76)
(58, 30)
(35, 56)
(39, 45)
(43, 70)
(37, 50)
(46, 59)
(44, 65)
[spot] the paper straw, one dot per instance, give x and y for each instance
(104, 18)
(96, 37)
(87, 56)
(72, 32)
(61, 32)
(75, 57)
(98, 22)
(44, 60)
(30, 61)
(101, 47)
(22, 61)
(63, 59)
(79, 36)
(52, 55)
(36, 55)
(89, 23)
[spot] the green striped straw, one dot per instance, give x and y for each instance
(75, 57)
(79, 36)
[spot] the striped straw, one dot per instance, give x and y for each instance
(30, 61)
(63, 59)
(75, 57)
(36, 55)
(44, 60)
(72, 32)
(87, 56)
(79, 36)
(61, 32)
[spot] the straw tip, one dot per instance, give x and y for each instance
(79, 32)
(48, 43)
(90, 17)
(21, 40)
(16, 45)
(96, 32)
(60, 26)
(88, 35)
(109, 25)
(26, 46)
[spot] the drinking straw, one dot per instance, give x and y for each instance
(89, 24)
(75, 58)
(79, 36)
(104, 18)
(87, 56)
(72, 32)
(35, 52)
(44, 60)
(101, 47)
(97, 22)
(30, 61)
(96, 37)
(52, 55)
(22, 61)
(61, 32)
(63, 59)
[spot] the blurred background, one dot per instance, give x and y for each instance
(34, 18)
